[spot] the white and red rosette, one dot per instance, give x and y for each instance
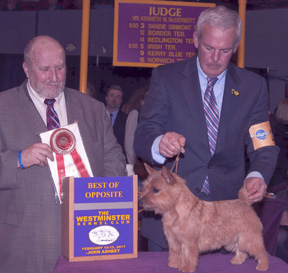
(63, 142)
(69, 153)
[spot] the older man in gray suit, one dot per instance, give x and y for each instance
(30, 216)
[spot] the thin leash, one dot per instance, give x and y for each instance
(176, 163)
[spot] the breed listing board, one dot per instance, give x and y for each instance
(151, 33)
(99, 218)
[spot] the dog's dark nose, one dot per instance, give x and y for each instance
(141, 203)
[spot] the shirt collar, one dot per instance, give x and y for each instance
(114, 113)
(203, 76)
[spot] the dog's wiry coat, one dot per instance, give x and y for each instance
(192, 226)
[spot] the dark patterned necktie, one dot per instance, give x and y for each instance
(212, 121)
(51, 115)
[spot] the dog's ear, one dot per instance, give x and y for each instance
(148, 168)
(169, 178)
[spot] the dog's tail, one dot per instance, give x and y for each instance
(243, 195)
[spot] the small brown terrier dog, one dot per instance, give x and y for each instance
(192, 226)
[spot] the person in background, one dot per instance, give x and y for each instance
(53, 5)
(30, 216)
(67, 4)
(279, 125)
(103, 4)
(91, 90)
(133, 107)
(208, 110)
(114, 98)
(279, 180)
(12, 5)
(77, 4)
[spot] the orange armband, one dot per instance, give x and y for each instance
(261, 135)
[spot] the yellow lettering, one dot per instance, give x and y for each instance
(175, 54)
(159, 33)
(162, 11)
(155, 46)
(179, 33)
(170, 47)
(97, 185)
(165, 40)
(106, 194)
(189, 41)
(157, 26)
(156, 53)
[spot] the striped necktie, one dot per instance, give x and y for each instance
(51, 115)
(212, 121)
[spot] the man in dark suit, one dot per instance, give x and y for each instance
(173, 119)
(114, 99)
(30, 215)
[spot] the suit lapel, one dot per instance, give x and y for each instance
(192, 93)
(229, 104)
(28, 111)
(117, 120)
(74, 112)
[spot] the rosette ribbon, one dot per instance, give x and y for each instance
(69, 153)
(63, 142)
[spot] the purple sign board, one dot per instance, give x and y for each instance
(102, 222)
(151, 33)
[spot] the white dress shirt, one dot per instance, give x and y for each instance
(59, 105)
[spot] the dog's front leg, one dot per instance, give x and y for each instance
(189, 257)
(174, 259)
(174, 249)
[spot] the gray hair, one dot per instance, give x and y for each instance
(220, 17)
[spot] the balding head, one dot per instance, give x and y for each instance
(44, 66)
(40, 42)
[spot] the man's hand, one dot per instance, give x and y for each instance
(171, 143)
(256, 188)
(36, 154)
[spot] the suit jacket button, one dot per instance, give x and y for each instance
(209, 166)
(197, 190)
